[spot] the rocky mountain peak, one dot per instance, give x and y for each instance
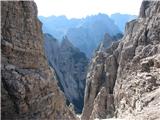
(108, 40)
(147, 11)
(144, 7)
(66, 43)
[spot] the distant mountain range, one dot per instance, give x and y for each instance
(57, 26)
(85, 33)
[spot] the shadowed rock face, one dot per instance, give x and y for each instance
(29, 88)
(70, 66)
(124, 80)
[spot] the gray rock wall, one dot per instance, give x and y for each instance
(129, 71)
(70, 66)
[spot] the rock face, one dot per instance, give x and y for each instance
(29, 88)
(124, 80)
(71, 67)
(108, 40)
(137, 88)
(100, 81)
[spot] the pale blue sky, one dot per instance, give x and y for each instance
(82, 8)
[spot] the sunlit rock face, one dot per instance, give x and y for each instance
(29, 87)
(124, 80)
(101, 76)
(71, 67)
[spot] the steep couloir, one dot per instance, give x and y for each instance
(124, 80)
(29, 87)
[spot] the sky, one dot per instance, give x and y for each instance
(83, 8)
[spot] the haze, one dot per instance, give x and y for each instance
(83, 8)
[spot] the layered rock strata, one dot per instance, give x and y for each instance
(29, 87)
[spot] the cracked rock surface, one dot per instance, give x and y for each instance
(29, 87)
(129, 71)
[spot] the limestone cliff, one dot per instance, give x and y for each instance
(29, 88)
(70, 66)
(124, 80)
(101, 74)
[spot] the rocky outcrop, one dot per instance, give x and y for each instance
(108, 40)
(100, 80)
(71, 67)
(128, 71)
(137, 86)
(29, 87)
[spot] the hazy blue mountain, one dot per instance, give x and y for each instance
(122, 19)
(85, 33)
(57, 26)
(88, 35)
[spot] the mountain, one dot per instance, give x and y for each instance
(97, 82)
(91, 32)
(85, 33)
(57, 26)
(123, 81)
(108, 40)
(70, 66)
(29, 88)
(121, 19)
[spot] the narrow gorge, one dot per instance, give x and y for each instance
(45, 78)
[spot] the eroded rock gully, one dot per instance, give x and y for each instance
(124, 80)
(29, 88)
